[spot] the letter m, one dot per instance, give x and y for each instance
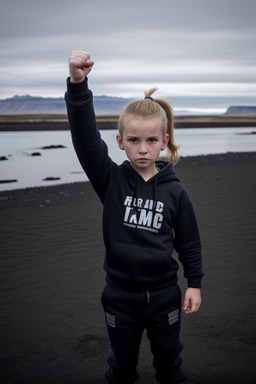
(145, 218)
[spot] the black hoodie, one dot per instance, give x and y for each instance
(143, 221)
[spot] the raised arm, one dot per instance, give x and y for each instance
(91, 150)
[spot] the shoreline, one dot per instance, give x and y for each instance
(45, 122)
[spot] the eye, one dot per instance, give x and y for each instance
(152, 139)
(133, 140)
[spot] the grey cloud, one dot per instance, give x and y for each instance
(50, 17)
(40, 35)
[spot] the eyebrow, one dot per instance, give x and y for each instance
(148, 137)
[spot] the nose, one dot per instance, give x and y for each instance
(143, 148)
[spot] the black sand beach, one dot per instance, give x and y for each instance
(51, 256)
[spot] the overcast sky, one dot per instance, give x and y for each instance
(184, 47)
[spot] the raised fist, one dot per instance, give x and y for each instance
(80, 65)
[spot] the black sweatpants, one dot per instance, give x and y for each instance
(128, 313)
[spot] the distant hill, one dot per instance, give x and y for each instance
(104, 105)
(241, 110)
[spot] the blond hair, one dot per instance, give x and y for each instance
(153, 108)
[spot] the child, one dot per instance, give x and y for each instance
(146, 214)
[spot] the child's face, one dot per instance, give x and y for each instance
(142, 140)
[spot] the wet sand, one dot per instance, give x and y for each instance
(51, 256)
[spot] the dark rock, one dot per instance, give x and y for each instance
(51, 178)
(2, 158)
(8, 181)
(53, 146)
(36, 154)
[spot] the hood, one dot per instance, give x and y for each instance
(166, 173)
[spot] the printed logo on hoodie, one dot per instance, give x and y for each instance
(143, 213)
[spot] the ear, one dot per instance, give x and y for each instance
(119, 140)
(165, 142)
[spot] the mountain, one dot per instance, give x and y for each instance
(104, 105)
(241, 110)
(29, 104)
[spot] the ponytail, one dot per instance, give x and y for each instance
(172, 147)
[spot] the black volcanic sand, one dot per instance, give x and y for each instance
(52, 323)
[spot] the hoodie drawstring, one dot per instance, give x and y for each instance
(154, 193)
(136, 190)
(148, 297)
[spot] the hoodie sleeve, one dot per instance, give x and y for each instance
(91, 150)
(187, 243)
